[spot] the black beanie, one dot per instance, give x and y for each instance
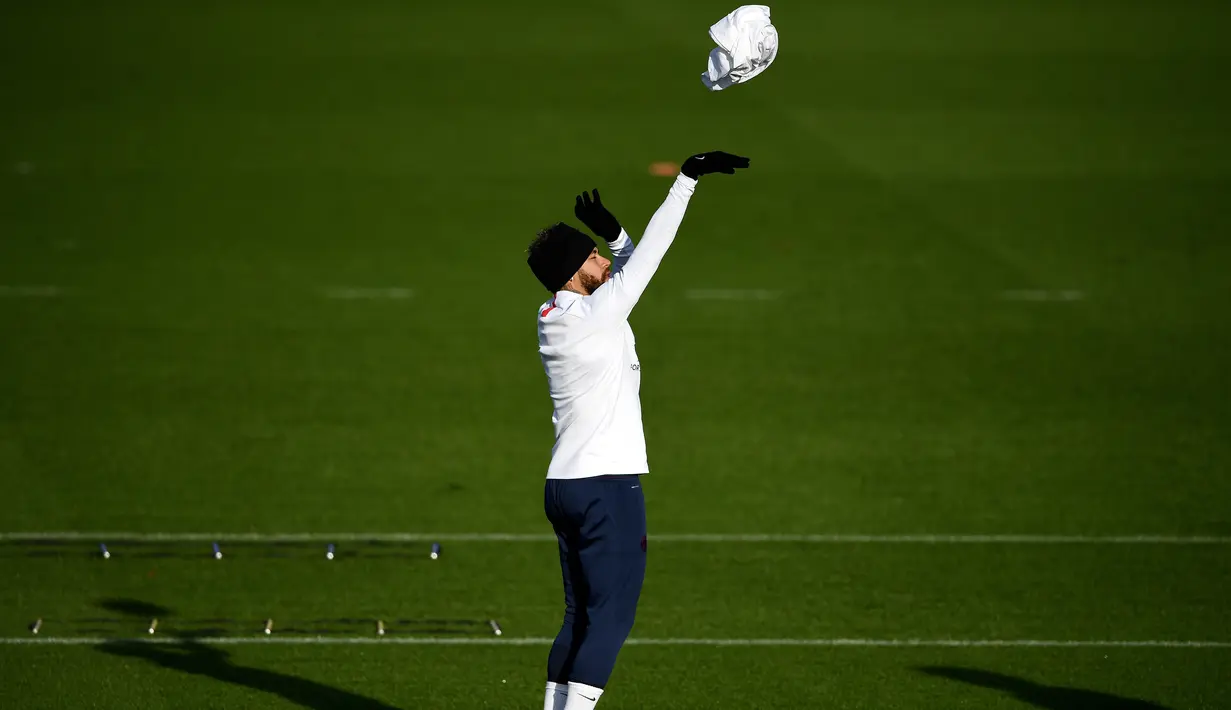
(558, 253)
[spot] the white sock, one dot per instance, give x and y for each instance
(582, 696)
(557, 696)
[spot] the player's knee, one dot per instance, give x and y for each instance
(614, 623)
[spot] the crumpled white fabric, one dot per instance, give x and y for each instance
(747, 45)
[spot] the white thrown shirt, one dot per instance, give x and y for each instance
(589, 354)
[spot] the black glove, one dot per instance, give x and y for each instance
(596, 217)
(713, 162)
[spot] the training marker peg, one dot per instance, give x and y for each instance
(435, 550)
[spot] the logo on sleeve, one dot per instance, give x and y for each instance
(636, 366)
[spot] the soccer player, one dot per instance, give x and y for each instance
(593, 495)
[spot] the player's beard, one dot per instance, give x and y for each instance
(591, 283)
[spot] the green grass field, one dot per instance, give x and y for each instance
(262, 271)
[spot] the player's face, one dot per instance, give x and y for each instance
(594, 272)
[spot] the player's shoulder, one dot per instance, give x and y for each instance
(563, 304)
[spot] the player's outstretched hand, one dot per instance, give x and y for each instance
(595, 216)
(712, 162)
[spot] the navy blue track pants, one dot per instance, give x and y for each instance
(600, 525)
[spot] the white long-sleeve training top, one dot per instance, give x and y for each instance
(589, 354)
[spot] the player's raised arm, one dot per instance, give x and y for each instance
(598, 219)
(615, 299)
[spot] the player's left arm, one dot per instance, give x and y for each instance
(593, 214)
(621, 250)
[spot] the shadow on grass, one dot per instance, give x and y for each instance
(212, 662)
(136, 609)
(1043, 696)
